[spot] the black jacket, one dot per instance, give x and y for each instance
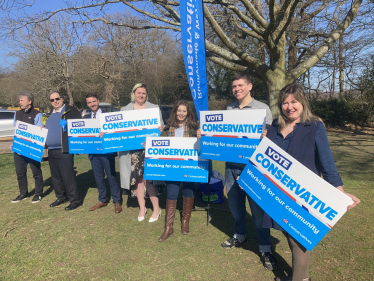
(70, 112)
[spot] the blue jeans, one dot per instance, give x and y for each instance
(173, 189)
(236, 198)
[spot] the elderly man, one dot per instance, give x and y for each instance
(61, 163)
(101, 163)
(28, 114)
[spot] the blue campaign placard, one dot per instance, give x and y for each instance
(27, 148)
(282, 208)
(85, 145)
(237, 150)
(130, 140)
(29, 140)
(176, 170)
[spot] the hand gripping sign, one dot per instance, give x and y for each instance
(29, 140)
(174, 159)
(302, 203)
(127, 130)
(231, 135)
(84, 136)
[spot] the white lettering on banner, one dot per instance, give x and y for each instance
(29, 135)
(292, 185)
(193, 47)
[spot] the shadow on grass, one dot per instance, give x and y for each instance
(221, 218)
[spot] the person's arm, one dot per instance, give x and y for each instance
(327, 164)
(325, 159)
(38, 120)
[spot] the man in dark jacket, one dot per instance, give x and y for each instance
(30, 115)
(61, 163)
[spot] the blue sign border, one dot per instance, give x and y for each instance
(292, 217)
(125, 141)
(170, 170)
(225, 150)
(27, 149)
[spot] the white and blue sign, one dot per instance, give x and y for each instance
(193, 45)
(175, 159)
(127, 130)
(83, 135)
(29, 140)
(302, 203)
(231, 135)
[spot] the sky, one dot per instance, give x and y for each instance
(40, 5)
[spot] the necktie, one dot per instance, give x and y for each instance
(94, 115)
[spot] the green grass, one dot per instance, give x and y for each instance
(42, 243)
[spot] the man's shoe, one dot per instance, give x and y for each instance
(117, 208)
(97, 206)
(233, 242)
(19, 198)
(269, 261)
(72, 206)
(57, 203)
(36, 199)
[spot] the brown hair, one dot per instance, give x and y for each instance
(190, 121)
(242, 75)
(298, 92)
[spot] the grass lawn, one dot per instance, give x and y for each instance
(42, 243)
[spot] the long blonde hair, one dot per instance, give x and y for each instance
(138, 85)
(298, 92)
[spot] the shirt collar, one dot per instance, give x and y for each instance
(62, 108)
(236, 104)
(98, 112)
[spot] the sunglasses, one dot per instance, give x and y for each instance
(56, 99)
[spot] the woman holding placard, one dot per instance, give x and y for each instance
(182, 123)
(132, 162)
(304, 137)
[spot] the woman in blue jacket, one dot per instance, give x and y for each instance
(304, 137)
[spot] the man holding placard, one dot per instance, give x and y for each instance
(101, 163)
(30, 115)
(241, 88)
(61, 163)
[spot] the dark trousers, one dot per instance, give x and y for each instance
(21, 170)
(63, 175)
(101, 163)
(173, 189)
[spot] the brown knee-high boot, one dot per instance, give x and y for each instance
(171, 206)
(187, 209)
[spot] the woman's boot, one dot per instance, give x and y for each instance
(187, 209)
(171, 206)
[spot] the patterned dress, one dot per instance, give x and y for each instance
(137, 170)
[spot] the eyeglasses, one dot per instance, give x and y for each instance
(56, 99)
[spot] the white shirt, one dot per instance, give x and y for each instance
(62, 108)
(98, 112)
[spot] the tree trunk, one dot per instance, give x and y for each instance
(109, 88)
(69, 93)
(274, 86)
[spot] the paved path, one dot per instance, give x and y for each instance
(4, 147)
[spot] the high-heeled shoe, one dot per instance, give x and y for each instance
(142, 218)
(153, 220)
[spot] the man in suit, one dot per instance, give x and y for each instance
(101, 163)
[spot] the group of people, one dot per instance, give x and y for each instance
(296, 131)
